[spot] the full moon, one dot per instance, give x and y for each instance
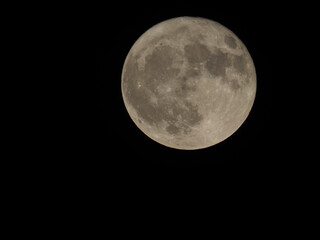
(188, 83)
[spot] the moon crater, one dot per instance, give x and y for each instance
(188, 83)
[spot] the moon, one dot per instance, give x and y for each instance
(188, 83)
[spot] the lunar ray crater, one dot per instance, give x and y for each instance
(188, 83)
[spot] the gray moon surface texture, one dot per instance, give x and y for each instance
(188, 83)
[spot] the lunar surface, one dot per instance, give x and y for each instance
(188, 83)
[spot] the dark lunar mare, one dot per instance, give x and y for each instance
(158, 70)
(216, 62)
(230, 41)
(169, 109)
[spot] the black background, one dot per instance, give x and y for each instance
(89, 147)
(121, 144)
(94, 151)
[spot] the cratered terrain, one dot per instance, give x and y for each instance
(188, 83)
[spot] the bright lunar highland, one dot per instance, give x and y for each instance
(188, 83)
